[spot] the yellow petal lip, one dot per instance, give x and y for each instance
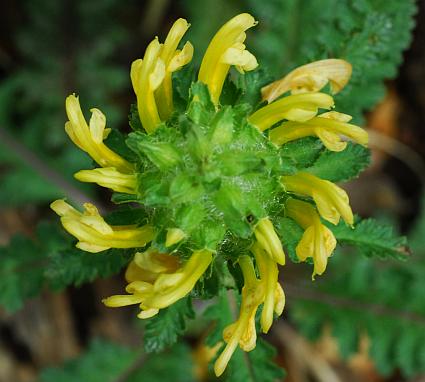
(268, 271)
(173, 38)
(310, 78)
(143, 76)
(331, 200)
(317, 242)
(90, 139)
(181, 58)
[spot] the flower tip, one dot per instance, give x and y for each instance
(60, 207)
(174, 236)
(266, 323)
(245, 19)
(148, 313)
(72, 102)
(219, 367)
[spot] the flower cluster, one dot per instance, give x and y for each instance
(209, 172)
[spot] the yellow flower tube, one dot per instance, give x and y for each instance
(329, 127)
(318, 241)
(299, 107)
(90, 139)
(94, 234)
(331, 200)
(109, 177)
(226, 49)
(310, 78)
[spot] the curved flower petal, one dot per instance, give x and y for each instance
(173, 60)
(311, 78)
(329, 127)
(299, 107)
(90, 139)
(242, 332)
(269, 241)
(317, 242)
(226, 49)
(109, 177)
(331, 200)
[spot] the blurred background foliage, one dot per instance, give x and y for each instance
(363, 321)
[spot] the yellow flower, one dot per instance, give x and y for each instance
(298, 107)
(164, 285)
(269, 241)
(318, 241)
(109, 177)
(274, 298)
(242, 332)
(254, 292)
(327, 126)
(331, 200)
(94, 234)
(311, 78)
(151, 77)
(226, 49)
(90, 139)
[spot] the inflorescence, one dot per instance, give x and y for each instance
(208, 174)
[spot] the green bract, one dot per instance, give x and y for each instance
(207, 172)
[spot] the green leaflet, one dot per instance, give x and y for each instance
(341, 166)
(177, 361)
(309, 155)
(21, 272)
(105, 361)
(359, 297)
(291, 234)
(74, 267)
(300, 154)
(364, 296)
(372, 239)
(50, 260)
(164, 329)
